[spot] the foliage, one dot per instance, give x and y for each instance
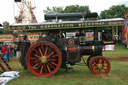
(67, 9)
(1, 31)
(116, 11)
(76, 8)
(5, 31)
(53, 10)
(121, 51)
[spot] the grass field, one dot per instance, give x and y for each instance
(81, 75)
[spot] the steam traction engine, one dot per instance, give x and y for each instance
(62, 43)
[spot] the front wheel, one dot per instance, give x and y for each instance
(99, 65)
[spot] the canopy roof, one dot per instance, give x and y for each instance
(68, 24)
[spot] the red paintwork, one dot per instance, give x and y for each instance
(8, 37)
(73, 48)
(105, 65)
(125, 33)
(52, 54)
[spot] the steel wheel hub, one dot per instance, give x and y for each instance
(43, 59)
(99, 66)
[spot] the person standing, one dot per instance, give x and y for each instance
(8, 52)
(3, 51)
(11, 51)
(0, 48)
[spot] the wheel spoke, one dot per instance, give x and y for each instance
(33, 58)
(49, 70)
(51, 65)
(54, 56)
(41, 70)
(36, 51)
(40, 52)
(49, 50)
(104, 69)
(42, 49)
(95, 68)
(46, 51)
(35, 61)
(52, 59)
(36, 55)
(99, 70)
(54, 63)
(50, 54)
(100, 61)
(95, 64)
(35, 65)
(39, 66)
(45, 68)
(105, 65)
(96, 61)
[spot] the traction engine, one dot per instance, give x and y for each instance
(62, 43)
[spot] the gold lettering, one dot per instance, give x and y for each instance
(30, 38)
(6, 37)
(89, 24)
(52, 26)
(59, 26)
(96, 24)
(49, 26)
(45, 26)
(33, 37)
(85, 24)
(41, 27)
(71, 25)
(92, 24)
(79, 25)
(31, 27)
(102, 23)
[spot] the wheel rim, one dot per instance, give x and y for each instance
(43, 59)
(99, 65)
(89, 60)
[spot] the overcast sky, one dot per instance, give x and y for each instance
(7, 7)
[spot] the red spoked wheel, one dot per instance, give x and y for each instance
(99, 65)
(43, 59)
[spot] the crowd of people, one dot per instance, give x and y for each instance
(8, 51)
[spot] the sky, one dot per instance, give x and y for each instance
(9, 8)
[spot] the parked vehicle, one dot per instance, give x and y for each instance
(62, 43)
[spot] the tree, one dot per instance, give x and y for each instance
(117, 11)
(76, 8)
(67, 9)
(53, 10)
(1, 31)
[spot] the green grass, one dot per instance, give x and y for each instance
(81, 75)
(121, 51)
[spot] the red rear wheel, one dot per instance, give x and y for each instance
(43, 59)
(99, 65)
